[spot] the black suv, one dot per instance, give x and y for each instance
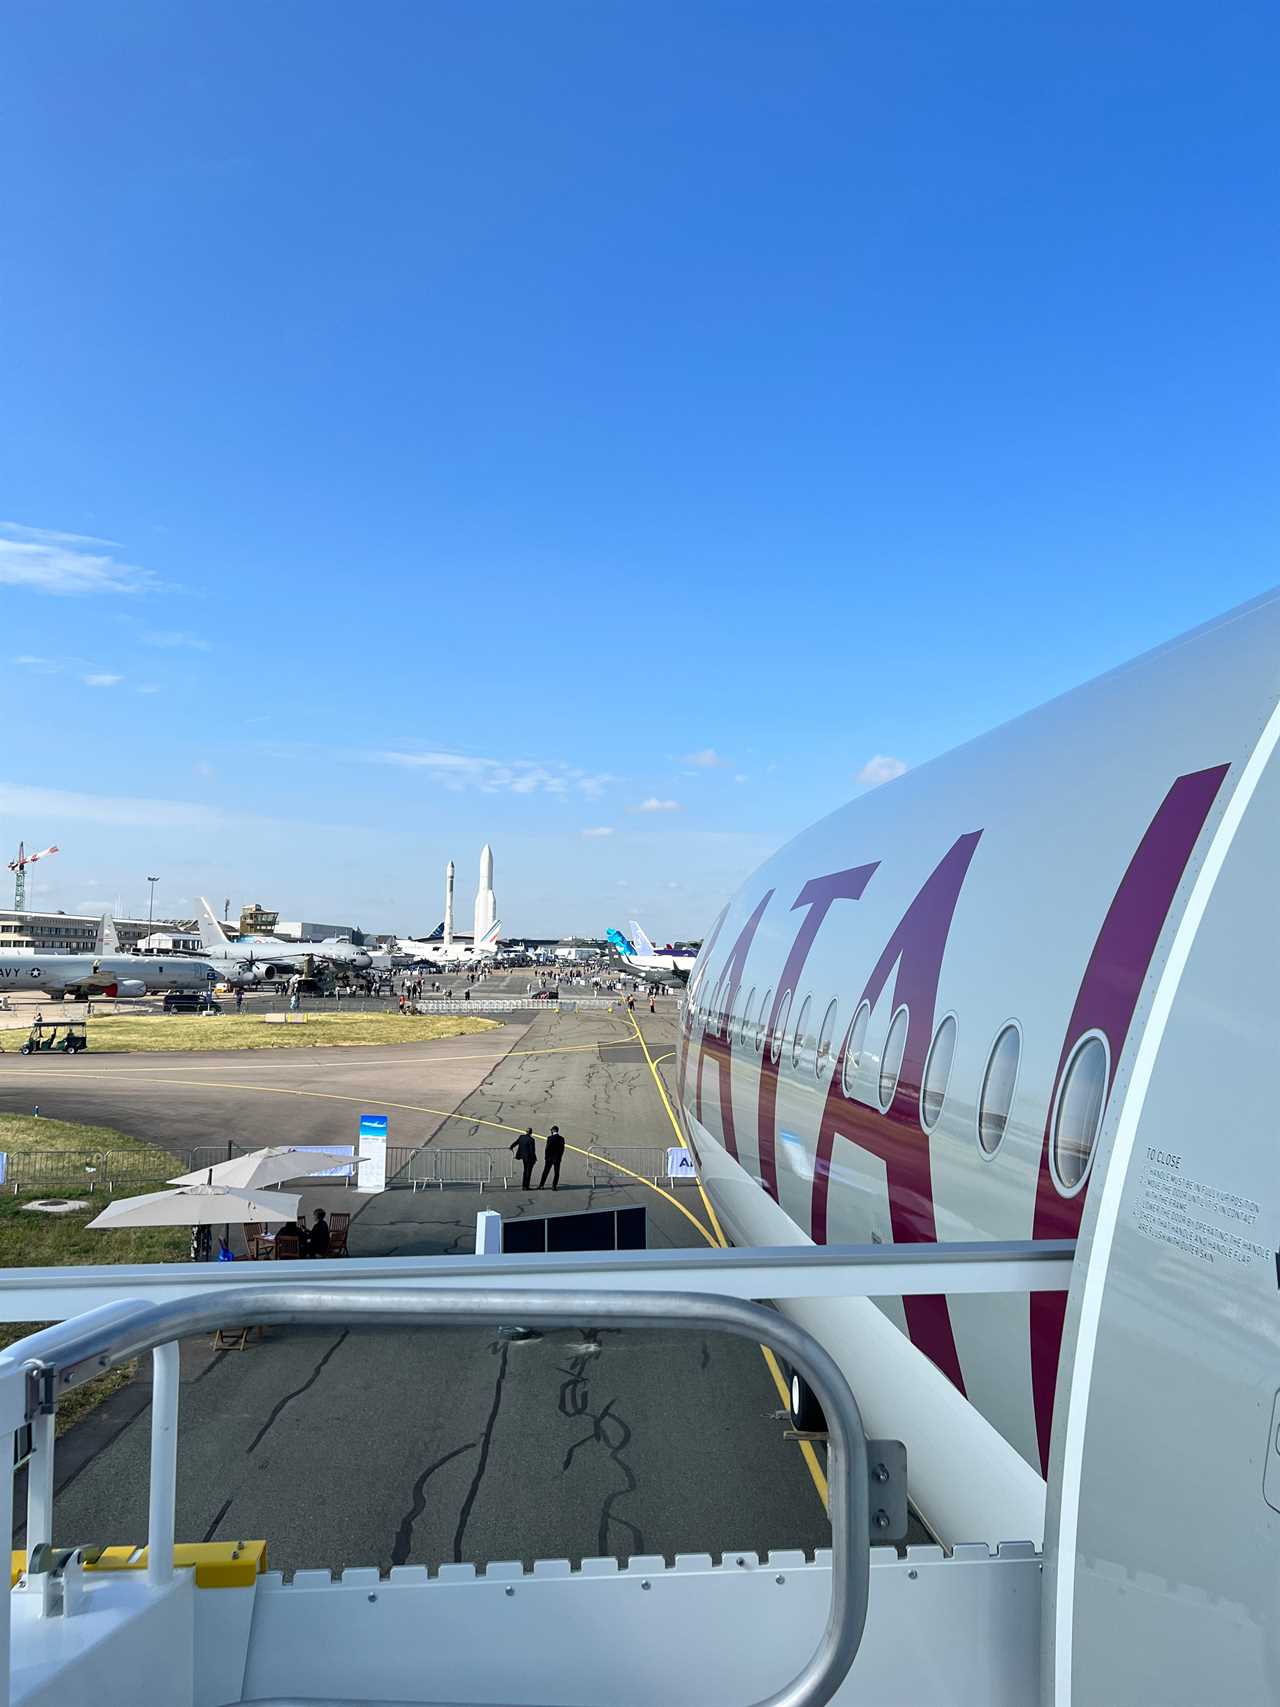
(190, 1002)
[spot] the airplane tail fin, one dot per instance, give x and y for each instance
(107, 941)
(641, 940)
(490, 937)
(212, 935)
(620, 942)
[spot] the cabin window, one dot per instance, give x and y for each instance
(822, 1062)
(780, 1028)
(854, 1044)
(1079, 1113)
(937, 1071)
(745, 1027)
(800, 1041)
(895, 1044)
(998, 1084)
(766, 1002)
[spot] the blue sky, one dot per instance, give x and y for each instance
(600, 429)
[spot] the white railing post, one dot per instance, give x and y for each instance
(6, 1529)
(40, 1482)
(164, 1464)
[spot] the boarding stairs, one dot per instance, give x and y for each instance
(170, 1625)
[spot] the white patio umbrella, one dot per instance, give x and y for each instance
(198, 1205)
(265, 1167)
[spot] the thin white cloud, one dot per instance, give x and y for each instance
(706, 758)
(64, 564)
(173, 639)
(458, 771)
(51, 536)
(599, 830)
(102, 679)
(881, 767)
(56, 805)
(741, 777)
(653, 804)
(147, 687)
(46, 666)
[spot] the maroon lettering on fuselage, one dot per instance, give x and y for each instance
(701, 968)
(1105, 1004)
(895, 1134)
(717, 1036)
(819, 895)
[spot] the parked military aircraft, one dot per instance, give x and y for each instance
(265, 959)
(83, 975)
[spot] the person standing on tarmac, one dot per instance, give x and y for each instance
(552, 1156)
(526, 1153)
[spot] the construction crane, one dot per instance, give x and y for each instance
(19, 866)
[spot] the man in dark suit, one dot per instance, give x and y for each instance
(526, 1153)
(552, 1156)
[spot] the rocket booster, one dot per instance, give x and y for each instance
(486, 910)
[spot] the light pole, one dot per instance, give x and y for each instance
(151, 908)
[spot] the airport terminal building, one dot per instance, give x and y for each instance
(77, 933)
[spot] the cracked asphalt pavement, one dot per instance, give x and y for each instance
(371, 1447)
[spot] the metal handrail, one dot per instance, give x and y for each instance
(74, 1351)
(774, 1272)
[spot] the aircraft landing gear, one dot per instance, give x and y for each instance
(806, 1412)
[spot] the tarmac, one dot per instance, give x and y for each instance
(365, 1447)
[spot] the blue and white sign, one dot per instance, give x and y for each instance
(371, 1174)
(680, 1164)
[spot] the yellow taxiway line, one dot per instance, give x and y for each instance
(806, 1447)
(810, 1457)
(402, 1107)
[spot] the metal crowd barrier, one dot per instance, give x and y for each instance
(70, 1171)
(210, 1155)
(425, 1005)
(441, 1167)
(647, 1160)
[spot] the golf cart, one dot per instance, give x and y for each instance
(68, 1037)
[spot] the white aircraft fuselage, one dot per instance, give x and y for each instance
(1028, 992)
(435, 951)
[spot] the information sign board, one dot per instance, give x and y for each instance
(371, 1174)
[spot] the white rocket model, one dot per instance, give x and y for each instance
(448, 907)
(486, 907)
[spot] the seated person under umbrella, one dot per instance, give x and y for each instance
(318, 1238)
